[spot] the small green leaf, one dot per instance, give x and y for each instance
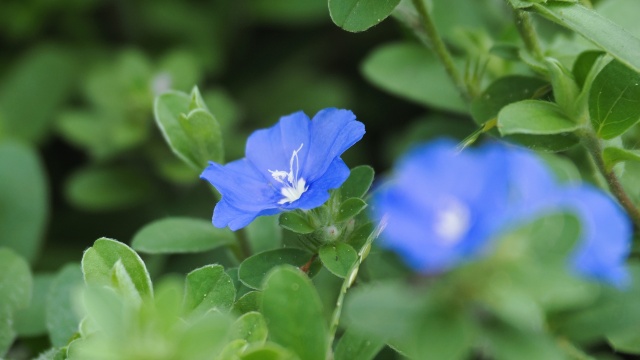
(583, 65)
(504, 91)
(360, 235)
(594, 27)
(167, 109)
(208, 288)
(293, 311)
(251, 327)
(253, 270)
(205, 137)
(614, 155)
(16, 281)
(350, 208)
(359, 15)
(358, 183)
(7, 334)
(62, 320)
(99, 261)
(269, 351)
(31, 321)
(565, 89)
(338, 257)
(505, 343)
(534, 117)
(180, 235)
(411, 71)
(613, 101)
(23, 199)
(248, 302)
(355, 346)
(295, 222)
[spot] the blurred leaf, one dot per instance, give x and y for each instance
(296, 222)
(359, 15)
(180, 69)
(16, 283)
(107, 188)
(99, 261)
(7, 334)
(62, 320)
(288, 297)
(613, 101)
(614, 155)
(338, 257)
(350, 208)
(506, 343)
(34, 88)
(583, 65)
(233, 350)
(264, 233)
(251, 327)
(248, 302)
(209, 288)
(621, 12)
(504, 91)
(180, 235)
(167, 109)
(355, 346)
(289, 12)
(203, 130)
(53, 354)
(269, 352)
(534, 117)
(253, 270)
(31, 321)
(588, 23)
(410, 71)
(23, 199)
(358, 182)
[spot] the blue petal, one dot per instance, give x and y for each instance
(226, 215)
(318, 191)
(241, 184)
(332, 132)
(272, 148)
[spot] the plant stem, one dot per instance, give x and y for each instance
(593, 145)
(528, 33)
(441, 50)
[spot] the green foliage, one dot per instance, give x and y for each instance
(349, 209)
(338, 257)
(296, 222)
(16, 283)
(209, 288)
(359, 15)
(358, 183)
(534, 117)
(31, 321)
(61, 316)
(355, 346)
(253, 270)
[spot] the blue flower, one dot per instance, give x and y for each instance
(291, 165)
(444, 208)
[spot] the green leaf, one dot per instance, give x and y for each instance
(565, 89)
(264, 233)
(296, 222)
(350, 208)
(167, 109)
(613, 101)
(440, 334)
(583, 65)
(410, 71)
(506, 343)
(355, 346)
(358, 183)
(180, 235)
(23, 199)
(504, 91)
(208, 288)
(588, 23)
(338, 257)
(62, 320)
(99, 261)
(16, 281)
(104, 189)
(269, 352)
(251, 327)
(248, 302)
(205, 137)
(7, 334)
(293, 311)
(253, 270)
(534, 117)
(32, 90)
(614, 155)
(31, 321)
(359, 15)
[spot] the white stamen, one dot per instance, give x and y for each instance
(452, 221)
(293, 187)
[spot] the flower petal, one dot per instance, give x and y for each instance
(227, 215)
(318, 192)
(332, 132)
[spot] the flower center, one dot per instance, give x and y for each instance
(452, 221)
(292, 187)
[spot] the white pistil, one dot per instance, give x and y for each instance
(452, 221)
(293, 187)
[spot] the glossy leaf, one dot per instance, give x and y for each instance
(209, 288)
(358, 182)
(338, 257)
(248, 302)
(355, 346)
(62, 319)
(359, 15)
(180, 235)
(99, 261)
(167, 110)
(534, 117)
(350, 208)
(253, 270)
(296, 222)
(269, 352)
(613, 101)
(288, 297)
(412, 72)
(23, 199)
(251, 327)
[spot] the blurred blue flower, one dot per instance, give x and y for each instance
(444, 207)
(291, 165)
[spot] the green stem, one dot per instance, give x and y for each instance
(348, 281)
(528, 33)
(593, 145)
(441, 50)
